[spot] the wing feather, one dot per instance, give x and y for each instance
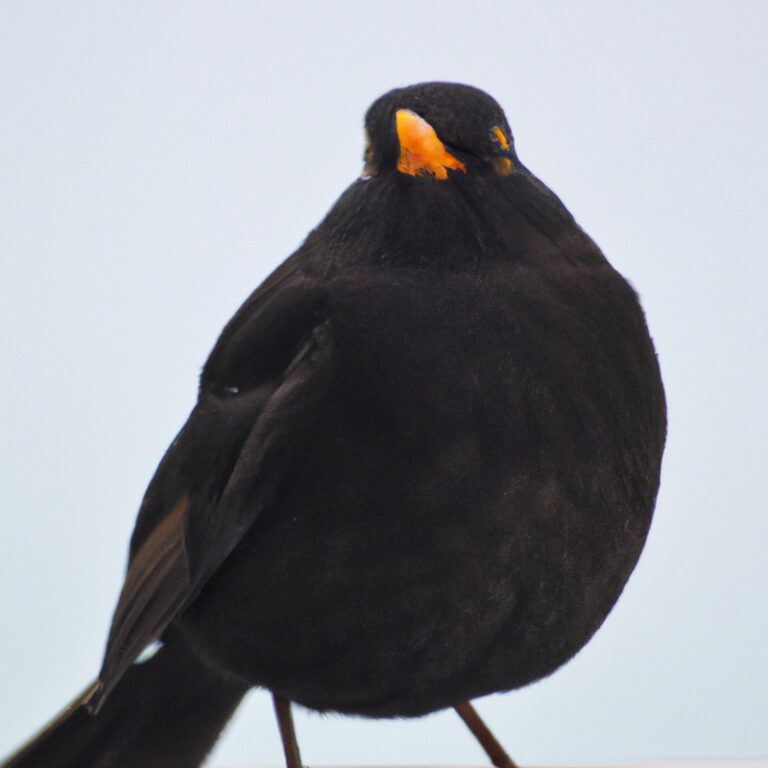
(155, 589)
(202, 527)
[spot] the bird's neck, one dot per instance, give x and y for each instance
(457, 224)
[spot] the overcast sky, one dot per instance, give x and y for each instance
(158, 159)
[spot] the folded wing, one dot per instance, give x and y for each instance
(263, 379)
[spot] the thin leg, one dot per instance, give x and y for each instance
(487, 740)
(287, 731)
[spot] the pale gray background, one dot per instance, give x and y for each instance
(158, 159)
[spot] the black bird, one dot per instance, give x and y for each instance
(422, 464)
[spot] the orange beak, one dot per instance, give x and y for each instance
(421, 152)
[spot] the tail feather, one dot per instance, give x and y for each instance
(167, 712)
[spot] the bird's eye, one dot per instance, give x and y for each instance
(502, 162)
(501, 137)
(369, 167)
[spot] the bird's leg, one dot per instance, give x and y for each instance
(287, 731)
(482, 733)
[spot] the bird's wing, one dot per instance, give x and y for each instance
(258, 391)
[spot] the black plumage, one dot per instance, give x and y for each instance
(421, 468)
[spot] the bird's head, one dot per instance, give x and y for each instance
(436, 129)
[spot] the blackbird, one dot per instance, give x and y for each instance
(422, 464)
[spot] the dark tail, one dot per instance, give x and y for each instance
(166, 712)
